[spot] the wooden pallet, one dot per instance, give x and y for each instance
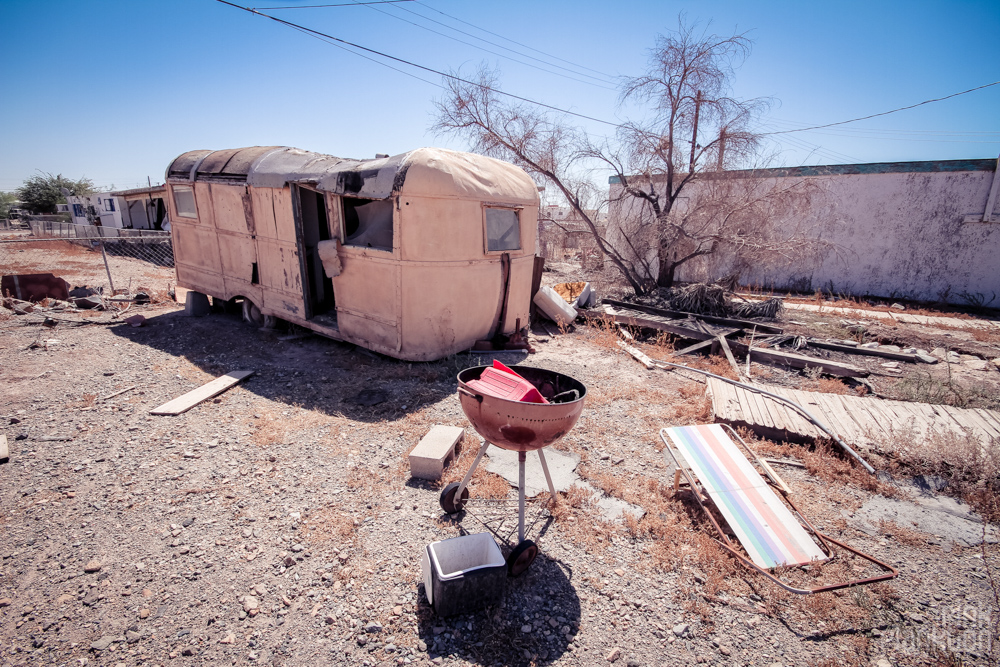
(864, 423)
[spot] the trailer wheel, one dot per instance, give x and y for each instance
(252, 314)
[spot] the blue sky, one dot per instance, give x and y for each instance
(114, 90)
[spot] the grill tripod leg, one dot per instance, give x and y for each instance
(520, 496)
(548, 477)
(472, 469)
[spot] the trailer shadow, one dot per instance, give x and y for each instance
(295, 367)
(534, 624)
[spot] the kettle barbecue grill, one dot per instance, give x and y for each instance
(521, 427)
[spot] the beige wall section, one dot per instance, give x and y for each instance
(368, 299)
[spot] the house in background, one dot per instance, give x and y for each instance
(103, 209)
(144, 208)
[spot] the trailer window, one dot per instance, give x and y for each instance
(184, 201)
(368, 223)
(503, 230)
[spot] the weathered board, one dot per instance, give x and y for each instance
(863, 423)
(203, 393)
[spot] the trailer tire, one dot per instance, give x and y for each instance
(252, 314)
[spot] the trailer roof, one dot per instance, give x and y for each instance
(425, 171)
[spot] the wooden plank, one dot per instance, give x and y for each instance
(729, 355)
(4, 450)
(842, 412)
(758, 404)
(637, 355)
(676, 329)
(725, 404)
(991, 417)
(874, 417)
(864, 351)
(748, 407)
(678, 314)
(775, 357)
(795, 421)
(985, 426)
(970, 420)
(732, 401)
(693, 348)
(184, 403)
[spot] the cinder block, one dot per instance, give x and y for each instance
(429, 456)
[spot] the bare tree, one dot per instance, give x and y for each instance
(694, 129)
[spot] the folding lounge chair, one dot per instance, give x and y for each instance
(771, 536)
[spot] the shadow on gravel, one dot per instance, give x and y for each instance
(309, 371)
(543, 598)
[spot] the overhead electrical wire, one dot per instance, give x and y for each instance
(452, 77)
(490, 32)
(343, 44)
(886, 113)
(604, 78)
(521, 62)
(339, 4)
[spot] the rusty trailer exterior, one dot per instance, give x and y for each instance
(415, 256)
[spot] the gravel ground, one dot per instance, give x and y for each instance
(277, 524)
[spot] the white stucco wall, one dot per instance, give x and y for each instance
(899, 232)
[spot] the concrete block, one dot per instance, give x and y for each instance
(196, 305)
(429, 456)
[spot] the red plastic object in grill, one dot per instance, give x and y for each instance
(502, 382)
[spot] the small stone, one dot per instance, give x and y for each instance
(143, 613)
(620, 572)
(103, 643)
(680, 629)
(362, 640)
(132, 637)
(296, 548)
(389, 648)
(421, 645)
(724, 650)
(5, 602)
(330, 619)
(614, 654)
(976, 364)
(228, 639)
(898, 306)
(632, 662)
(92, 566)
(187, 522)
(250, 603)
(373, 627)
(882, 662)
(526, 628)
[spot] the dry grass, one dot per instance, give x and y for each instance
(903, 534)
(483, 484)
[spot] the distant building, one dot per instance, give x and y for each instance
(102, 209)
(563, 234)
(144, 208)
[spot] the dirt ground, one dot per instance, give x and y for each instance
(277, 524)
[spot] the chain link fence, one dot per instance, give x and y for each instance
(115, 260)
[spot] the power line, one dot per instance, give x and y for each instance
(886, 113)
(339, 4)
(324, 35)
(605, 78)
(490, 32)
(461, 41)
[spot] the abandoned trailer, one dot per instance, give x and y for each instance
(415, 256)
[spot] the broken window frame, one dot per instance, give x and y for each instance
(487, 206)
(175, 189)
(342, 212)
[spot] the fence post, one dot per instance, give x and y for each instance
(106, 267)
